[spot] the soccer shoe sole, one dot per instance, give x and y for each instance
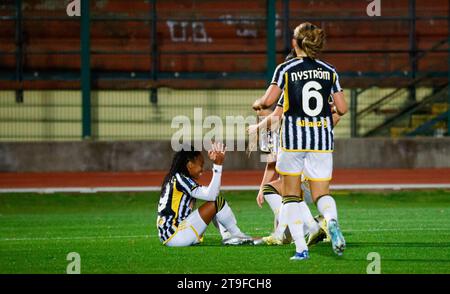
(337, 239)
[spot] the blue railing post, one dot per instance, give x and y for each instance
(271, 39)
(86, 70)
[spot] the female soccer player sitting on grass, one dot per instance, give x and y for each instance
(177, 224)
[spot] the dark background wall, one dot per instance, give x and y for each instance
(148, 155)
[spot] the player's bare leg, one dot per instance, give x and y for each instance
(207, 211)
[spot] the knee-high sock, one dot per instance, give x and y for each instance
(273, 198)
(327, 207)
(293, 212)
(310, 226)
(220, 227)
(225, 216)
(282, 224)
(310, 223)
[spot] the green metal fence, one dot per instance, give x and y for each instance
(116, 115)
(86, 94)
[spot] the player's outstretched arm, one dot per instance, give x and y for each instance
(270, 97)
(271, 121)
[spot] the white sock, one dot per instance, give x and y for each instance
(274, 201)
(306, 230)
(308, 220)
(282, 224)
(293, 212)
(223, 231)
(327, 207)
(226, 217)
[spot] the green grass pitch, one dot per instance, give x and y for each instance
(116, 233)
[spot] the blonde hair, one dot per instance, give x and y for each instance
(310, 38)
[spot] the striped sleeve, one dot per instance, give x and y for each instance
(186, 184)
(281, 101)
(331, 99)
(336, 85)
(278, 76)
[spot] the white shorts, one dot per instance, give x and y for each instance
(189, 231)
(316, 166)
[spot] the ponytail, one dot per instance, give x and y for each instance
(310, 38)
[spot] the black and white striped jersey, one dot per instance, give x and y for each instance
(307, 86)
(175, 204)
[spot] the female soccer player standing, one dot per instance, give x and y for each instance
(307, 132)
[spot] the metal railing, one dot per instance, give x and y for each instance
(81, 73)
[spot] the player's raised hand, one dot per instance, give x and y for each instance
(217, 153)
(257, 105)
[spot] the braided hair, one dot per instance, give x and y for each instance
(179, 162)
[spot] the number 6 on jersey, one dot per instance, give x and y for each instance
(311, 91)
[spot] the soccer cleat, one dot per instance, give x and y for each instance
(300, 256)
(258, 241)
(323, 225)
(337, 239)
(271, 240)
(238, 239)
(315, 238)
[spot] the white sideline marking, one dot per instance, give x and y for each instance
(390, 186)
(74, 238)
(209, 234)
(51, 190)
